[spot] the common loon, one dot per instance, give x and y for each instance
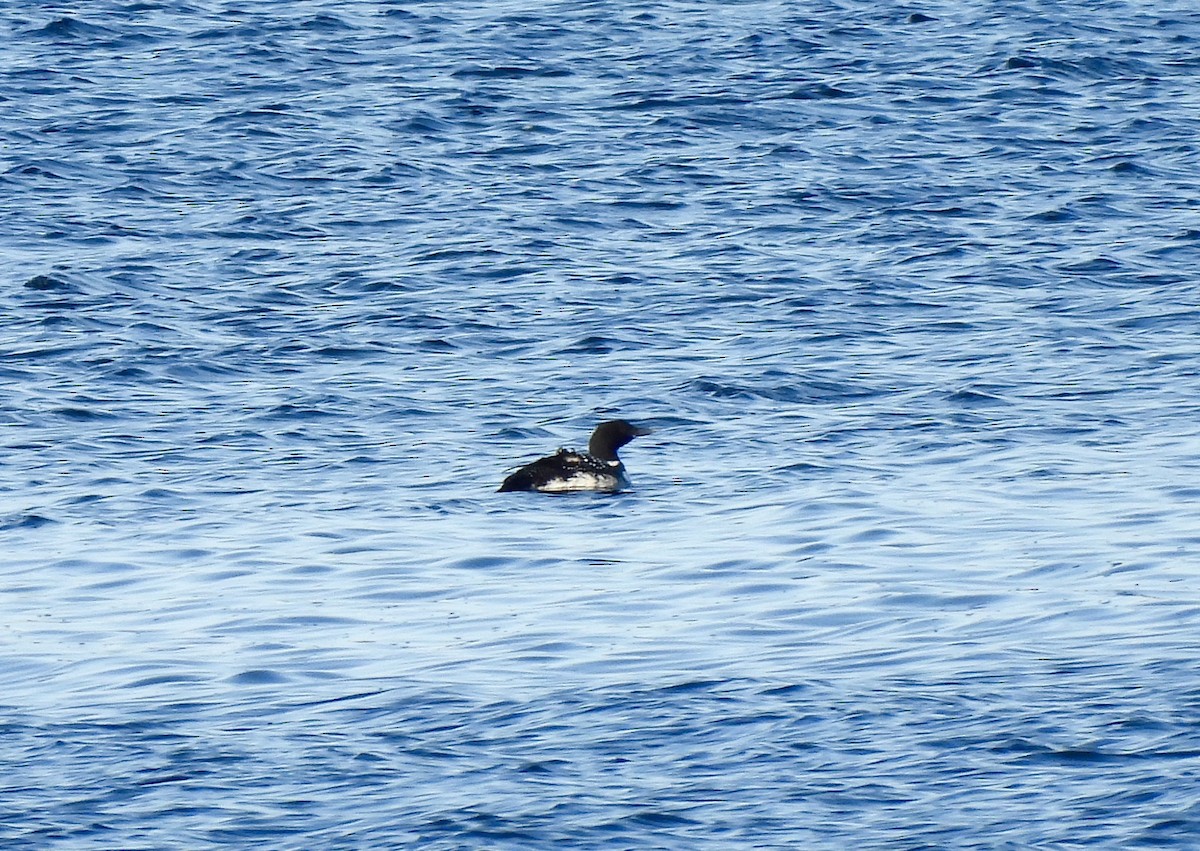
(598, 469)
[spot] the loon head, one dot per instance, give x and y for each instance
(611, 436)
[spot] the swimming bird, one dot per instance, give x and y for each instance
(598, 469)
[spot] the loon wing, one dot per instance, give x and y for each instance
(540, 472)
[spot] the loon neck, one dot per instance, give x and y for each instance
(603, 453)
(604, 445)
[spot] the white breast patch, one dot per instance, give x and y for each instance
(582, 482)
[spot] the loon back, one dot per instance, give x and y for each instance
(567, 471)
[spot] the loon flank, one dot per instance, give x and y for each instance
(598, 469)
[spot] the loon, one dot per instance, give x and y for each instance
(598, 469)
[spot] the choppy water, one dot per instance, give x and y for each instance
(908, 294)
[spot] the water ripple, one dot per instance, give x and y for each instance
(903, 293)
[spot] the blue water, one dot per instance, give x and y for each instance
(907, 292)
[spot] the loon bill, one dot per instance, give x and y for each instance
(598, 469)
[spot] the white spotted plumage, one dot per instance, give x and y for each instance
(589, 474)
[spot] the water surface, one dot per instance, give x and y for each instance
(905, 293)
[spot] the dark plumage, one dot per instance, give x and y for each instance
(598, 469)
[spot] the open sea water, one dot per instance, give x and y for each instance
(910, 294)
